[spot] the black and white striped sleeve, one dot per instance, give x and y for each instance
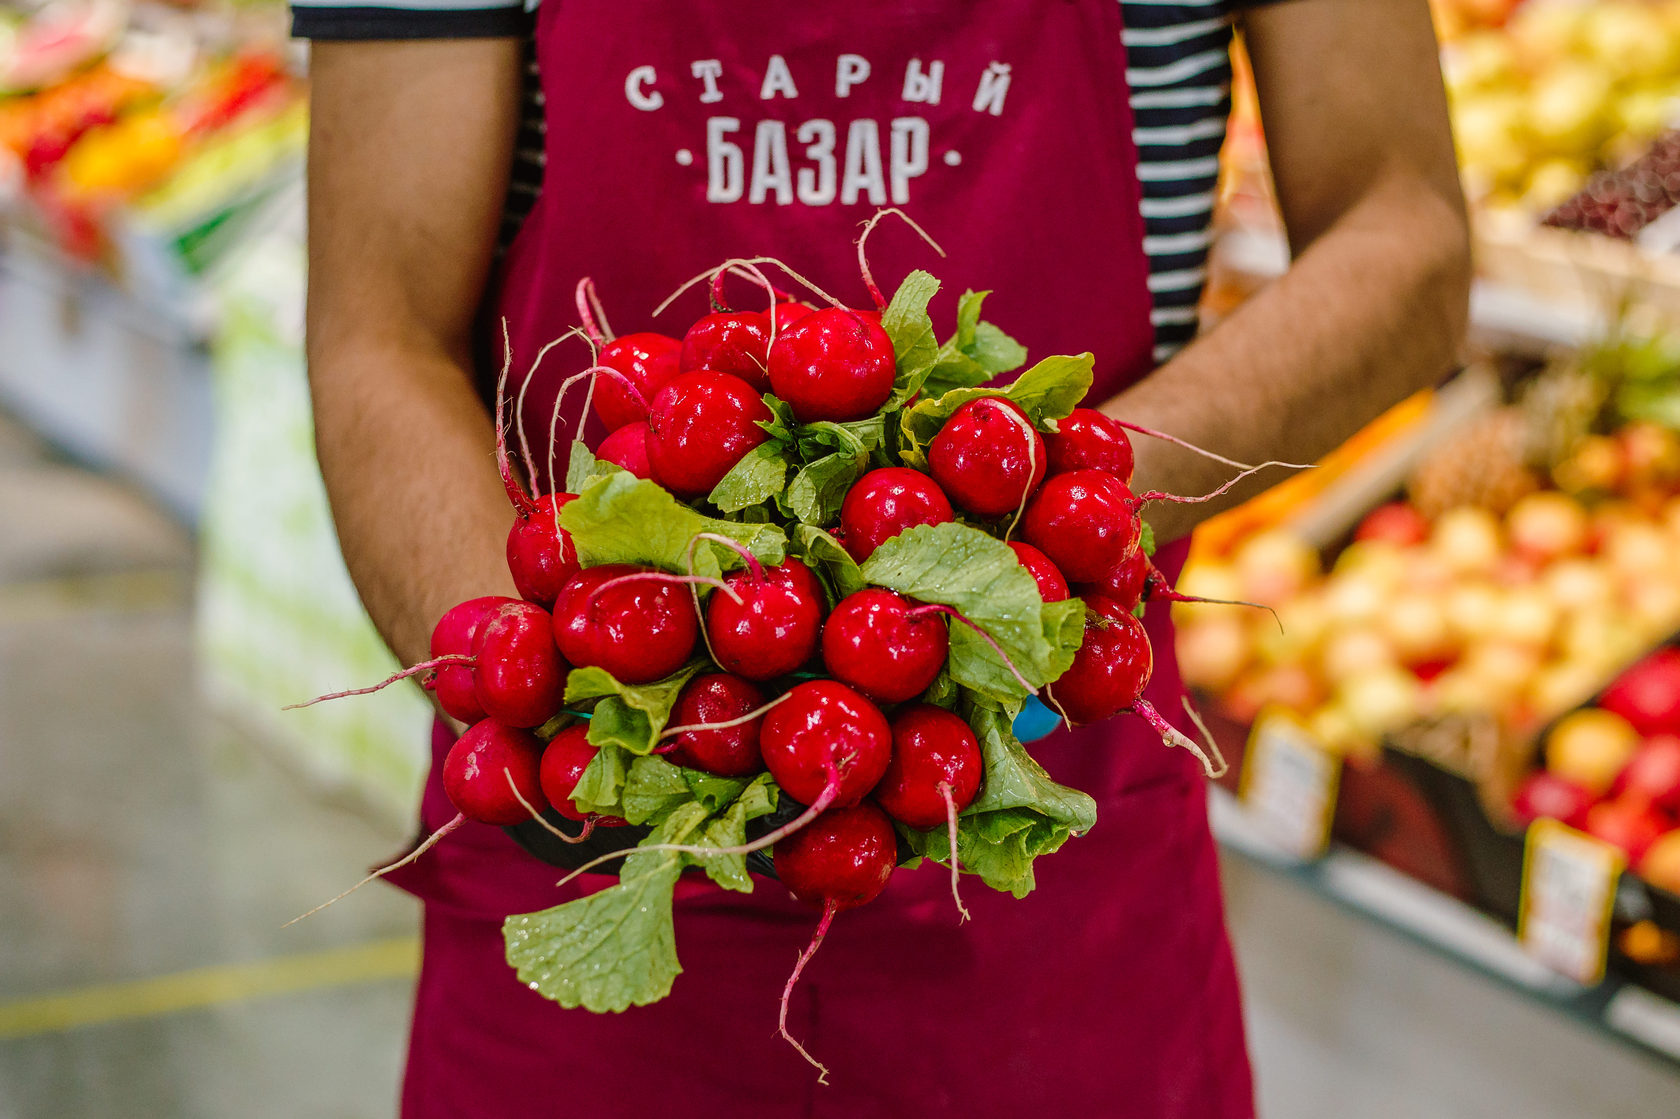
(409, 19)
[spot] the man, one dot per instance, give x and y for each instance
(1064, 153)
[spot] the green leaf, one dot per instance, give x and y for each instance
(759, 476)
(712, 791)
(1147, 539)
(582, 465)
(907, 323)
(829, 558)
(1047, 392)
(653, 789)
(619, 518)
(600, 788)
(982, 578)
(976, 353)
(857, 436)
(615, 948)
(815, 494)
(730, 830)
(995, 351)
(629, 716)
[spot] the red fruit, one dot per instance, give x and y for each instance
(476, 771)
(885, 502)
(648, 361)
(627, 447)
(540, 555)
(1653, 774)
(1648, 694)
(1111, 668)
(1630, 825)
(988, 457)
(1051, 586)
(1086, 521)
(639, 631)
(871, 642)
(565, 758)
(1089, 440)
(1396, 523)
(774, 628)
(453, 636)
(717, 697)
(789, 313)
(833, 365)
(842, 858)
(733, 342)
(1127, 581)
(520, 677)
(823, 721)
(1545, 794)
(931, 747)
(699, 427)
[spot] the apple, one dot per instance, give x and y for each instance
(1544, 794)
(1395, 523)
(1648, 694)
(1590, 747)
(1273, 567)
(1547, 525)
(1467, 539)
(1652, 775)
(1627, 824)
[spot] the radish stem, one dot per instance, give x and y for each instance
(1156, 495)
(951, 835)
(423, 666)
(863, 257)
(517, 497)
(425, 846)
(1032, 468)
(1213, 761)
(1204, 452)
(735, 546)
(666, 576)
(829, 910)
(590, 313)
(739, 720)
(588, 825)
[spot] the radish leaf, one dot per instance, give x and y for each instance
(629, 716)
(824, 554)
(759, 476)
(907, 323)
(619, 518)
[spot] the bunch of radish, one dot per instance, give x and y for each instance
(812, 576)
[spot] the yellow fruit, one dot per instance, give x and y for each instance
(1547, 525)
(1467, 540)
(1590, 747)
(1568, 109)
(1471, 608)
(1661, 864)
(1551, 182)
(1558, 687)
(1578, 584)
(1526, 618)
(1353, 652)
(1273, 566)
(1211, 652)
(1416, 627)
(1380, 701)
(1209, 579)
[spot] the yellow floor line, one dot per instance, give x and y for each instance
(397, 958)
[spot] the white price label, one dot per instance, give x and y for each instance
(1568, 890)
(1289, 784)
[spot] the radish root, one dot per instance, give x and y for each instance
(666, 576)
(588, 825)
(1157, 495)
(591, 314)
(672, 732)
(423, 666)
(1032, 468)
(429, 842)
(1213, 761)
(517, 497)
(951, 834)
(951, 611)
(863, 257)
(735, 546)
(1203, 451)
(829, 910)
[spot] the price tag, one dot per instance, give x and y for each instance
(1289, 784)
(1568, 890)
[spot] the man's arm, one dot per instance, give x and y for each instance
(1374, 305)
(410, 146)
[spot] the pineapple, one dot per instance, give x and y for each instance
(1484, 464)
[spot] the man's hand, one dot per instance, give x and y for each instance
(409, 150)
(1375, 304)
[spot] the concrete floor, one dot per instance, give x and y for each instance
(149, 855)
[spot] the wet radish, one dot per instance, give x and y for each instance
(786, 314)
(1087, 439)
(519, 676)
(639, 631)
(931, 748)
(628, 448)
(1086, 521)
(453, 636)
(988, 457)
(875, 641)
(564, 759)
(647, 361)
(726, 751)
(1111, 668)
(1127, 581)
(699, 427)
(773, 627)
(833, 364)
(477, 769)
(1051, 586)
(540, 555)
(733, 342)
(824, 741)
(885, 502)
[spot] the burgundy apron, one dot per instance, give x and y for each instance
(680, 134)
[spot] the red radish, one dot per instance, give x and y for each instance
(885, 502)
(639, 631)
(774, 626)
(1653, 774)
(477, 768)
(833, 364)
(1088, 440)
(842, 860)
(1630, 825)
(647, 361)
(1127, 581)
(875, 642)
(931, 748)
(1648, 694)
(1111, 668)
(1545, 794)
(733, 342)
(717, 697)
(786, 314)
(540, 555)
(825, 740)
(988, 457)
(699, 427)
(1086, 521)
(564, 759)
(519, 677)
(453, 636)
(627, 447)
(1051, 586)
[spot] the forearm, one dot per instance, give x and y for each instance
(408, 459)
(1372, 311)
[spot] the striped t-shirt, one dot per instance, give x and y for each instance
(1178, 69)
